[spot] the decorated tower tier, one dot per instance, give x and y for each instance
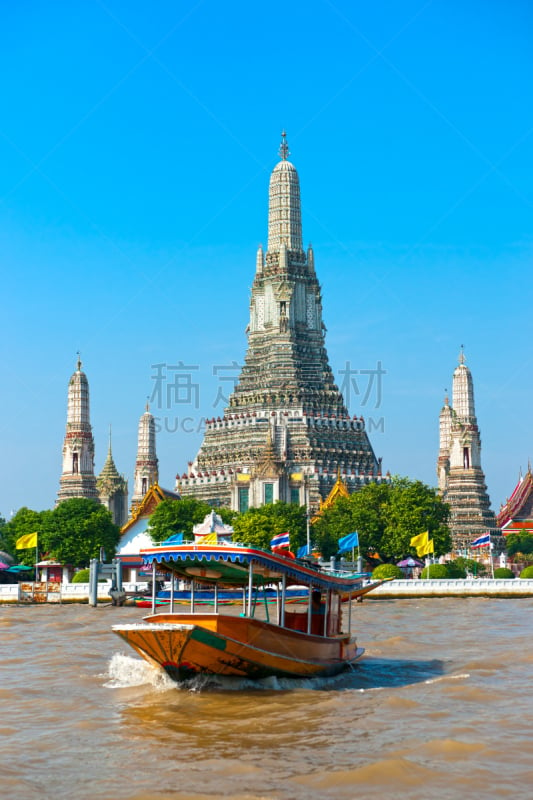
(77, 477)
(461, 478)
(146, 465)
(286, 433)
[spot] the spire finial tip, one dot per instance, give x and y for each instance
(284, 147)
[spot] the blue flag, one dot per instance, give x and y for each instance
(176, 538)
(302, 551)
(348, 542)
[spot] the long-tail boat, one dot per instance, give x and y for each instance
(288, 642)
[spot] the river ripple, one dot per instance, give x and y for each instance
(439, 708)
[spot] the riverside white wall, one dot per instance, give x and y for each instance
(41, 592)
(444, 587)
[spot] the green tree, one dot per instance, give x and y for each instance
(180, 516)
(386, 516)
(466, 565)
(257, 526)
(413, 508)
(435, 571)
(455, 570)
(76, 529)
(527, 572)
(519, 543)
(24, 522)
(503, 573)
(361, 512)
(385, 571)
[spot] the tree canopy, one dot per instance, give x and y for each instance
(257, 526)
(386, 516)
(24, 522)
(72, 533)
(76, 530)
(519, 543)
(180, 516)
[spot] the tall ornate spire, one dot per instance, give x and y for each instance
(286, 392)
(113, 489)
(463, 391)
(284, 147)
(146, 465)
(284, 211)
(77, 477)
(461, 478)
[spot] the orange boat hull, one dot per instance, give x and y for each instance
(185, 645)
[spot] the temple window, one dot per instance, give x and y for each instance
(75, 467)
(466, 457)
(243, 500)
(268, 493)
(295, 495)
(144, 485)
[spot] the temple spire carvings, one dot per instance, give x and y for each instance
(460, 477)
(77, 476)
(286, 431)
(146, 465)
(113, 489)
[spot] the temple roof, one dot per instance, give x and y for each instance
(339, 489)
(110, 480)
(520, 504)
(212, 523)
(148, 504)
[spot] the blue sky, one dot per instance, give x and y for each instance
(136, 145)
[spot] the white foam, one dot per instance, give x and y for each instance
(124, 671)
(462, 676)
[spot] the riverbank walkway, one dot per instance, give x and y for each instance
(39, 592)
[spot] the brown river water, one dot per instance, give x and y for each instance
(441, 706)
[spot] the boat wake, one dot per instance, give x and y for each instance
(369, 675)
(127, 672)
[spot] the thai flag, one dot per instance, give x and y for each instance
(280, 541)
(481, 541)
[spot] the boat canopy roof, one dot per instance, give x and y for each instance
(229, 565)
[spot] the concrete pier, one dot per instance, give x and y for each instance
(443, 587)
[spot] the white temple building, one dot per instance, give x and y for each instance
(77, 475)
(212, 527)
(461, 479)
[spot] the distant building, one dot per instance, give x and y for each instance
(77, 476)
(146, 472)
(516, 516)
(113, 490)
(461, 479)
(286, 433)
(213, 527)
(134, 534)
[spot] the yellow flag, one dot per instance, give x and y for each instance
(426, 549)
(27, 541)
(210, 538)
(420, 541)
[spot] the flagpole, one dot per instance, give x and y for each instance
(308, 537)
